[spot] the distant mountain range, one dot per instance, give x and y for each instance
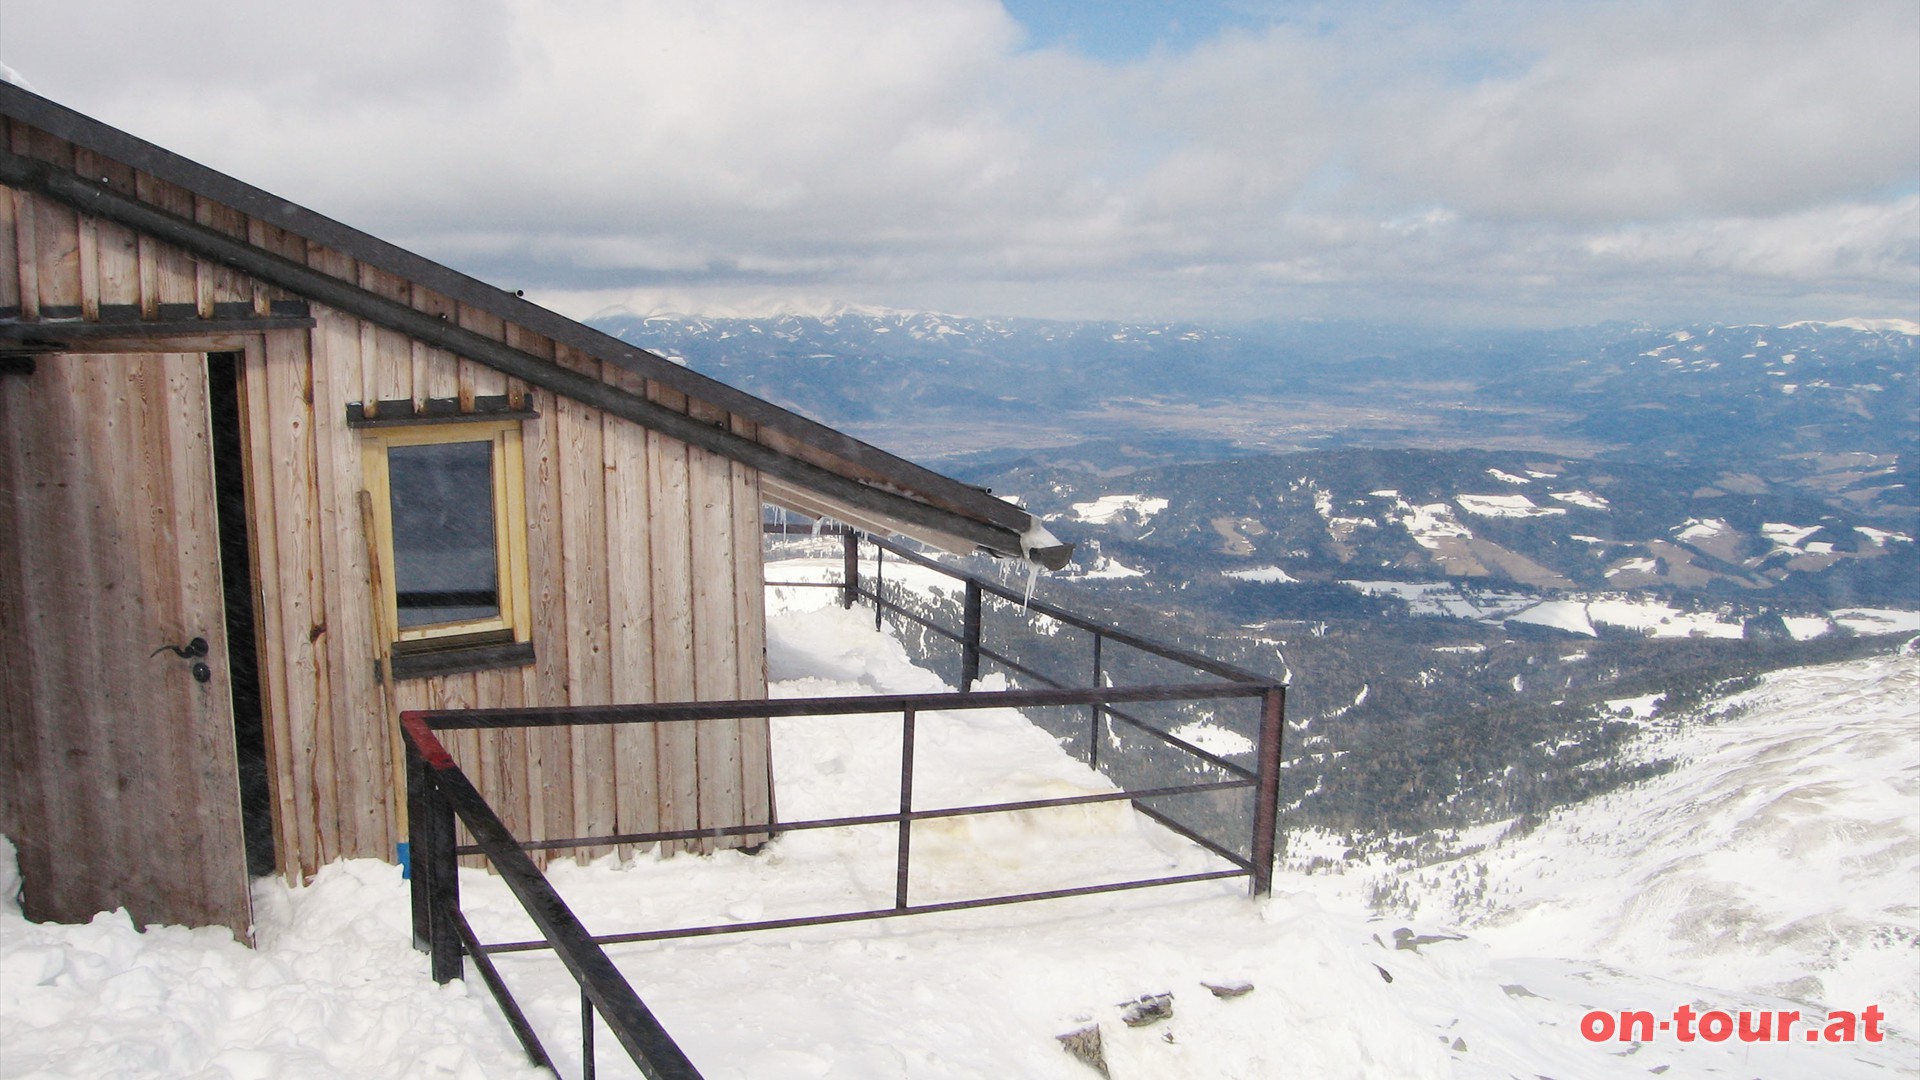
(935, 385)
(1736, 463)
(1838, 531)
(1483, 560)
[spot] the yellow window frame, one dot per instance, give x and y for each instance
(514, 622)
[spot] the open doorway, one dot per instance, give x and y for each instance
(236, 573)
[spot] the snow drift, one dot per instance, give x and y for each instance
(1775, 866)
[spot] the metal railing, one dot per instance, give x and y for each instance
(439, 792)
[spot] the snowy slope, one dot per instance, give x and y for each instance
(1783, 856)
(1610, 907)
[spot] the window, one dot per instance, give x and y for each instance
(449, 518)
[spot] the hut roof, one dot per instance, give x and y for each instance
(805, 465)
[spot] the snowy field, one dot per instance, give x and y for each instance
(1777, 868)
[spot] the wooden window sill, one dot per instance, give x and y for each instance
(461, 658)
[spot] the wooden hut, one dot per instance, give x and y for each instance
(263, 475)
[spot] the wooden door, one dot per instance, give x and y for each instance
(119, 777)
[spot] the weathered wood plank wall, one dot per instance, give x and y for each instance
(643, 554)
(118, 781)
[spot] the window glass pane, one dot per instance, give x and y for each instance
(445, 569)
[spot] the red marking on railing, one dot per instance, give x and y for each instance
(424, 740)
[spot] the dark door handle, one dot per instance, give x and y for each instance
(192, 650)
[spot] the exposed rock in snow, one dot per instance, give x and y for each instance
(1147, 1009)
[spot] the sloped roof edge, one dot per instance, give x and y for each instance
(911, 480)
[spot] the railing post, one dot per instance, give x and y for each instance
(420, 868)
(879, 565)
(906, 807)
(588, 1067)
(850, 567)
(443, 887)
(970, 630)
(1093, 711)
(1266, 809)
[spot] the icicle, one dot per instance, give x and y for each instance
(1035, 538)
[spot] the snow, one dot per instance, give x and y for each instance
(1270, 575)
(1787, 536)
(334, 990)
(1897, 326)
(1643, 564)
(1106, 566)
(1640, 708)
(1657, 619)
(1103, 510)
(1431, 524)
(1651, 617)
(1774, 867)
(1507, 477)
(1586, 500)
(1215, 739)
(1882, 537)
(1567, 615)
(1696, 530)
(1780, 858)
(1505, 506)
(1037, 538)
(1460, 600)
(1584, 613)
(1878, 620)
(1807, 627)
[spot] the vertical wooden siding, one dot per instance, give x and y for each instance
(643, 553)
(117, 771)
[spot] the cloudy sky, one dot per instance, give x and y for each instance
(1538, 163)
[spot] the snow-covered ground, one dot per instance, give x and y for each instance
(1266, 575)
(1782, 857)
(1778, 867)
(1103, 510)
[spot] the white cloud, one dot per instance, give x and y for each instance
(1648, 110)
(1548, 163)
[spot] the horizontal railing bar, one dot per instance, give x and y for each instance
(778, 827)
(1166, 737)
(638, 1030)
(877, 913)
(852, 705)
(1008, 662)
(803, 584)
(1194, 835)
(1005, 661)
(913, 617)
(517, 1020)
(1175, 740)
(1020, 668)
(927, 624)
(1114, 633)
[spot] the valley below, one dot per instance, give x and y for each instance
(1487, 562)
